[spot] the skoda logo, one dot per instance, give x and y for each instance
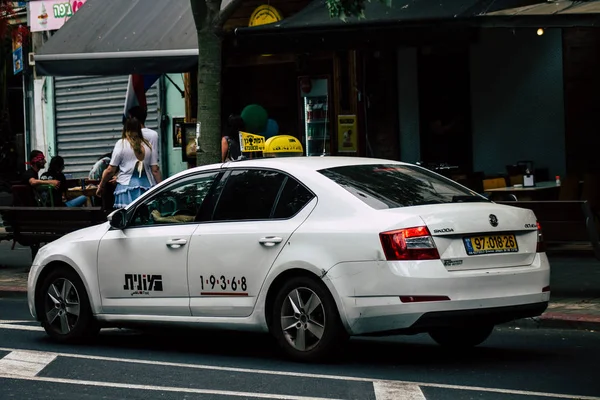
(493, 220)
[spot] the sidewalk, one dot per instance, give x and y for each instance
(574, 303)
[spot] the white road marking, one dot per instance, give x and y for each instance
(318, 376)
(14, 325)
(3, 321)
(25, 363)
(170, 389)
(22, 327)
(396, 391)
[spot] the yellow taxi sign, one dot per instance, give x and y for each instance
(250, 142)
(283, 144)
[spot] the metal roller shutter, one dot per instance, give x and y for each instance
(89, 114)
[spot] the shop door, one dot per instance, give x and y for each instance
(445, 106)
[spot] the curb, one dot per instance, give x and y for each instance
(558, 321)
(12, 292)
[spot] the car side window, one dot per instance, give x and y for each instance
(293, 198)
(177, 204)
(249, 195)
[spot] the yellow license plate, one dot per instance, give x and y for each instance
(491, 244)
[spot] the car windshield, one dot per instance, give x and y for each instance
(384, 186)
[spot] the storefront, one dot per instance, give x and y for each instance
(14, 82)
(371, 87)
(84, 70)
(479, 85)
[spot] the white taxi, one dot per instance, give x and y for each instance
(312, 250)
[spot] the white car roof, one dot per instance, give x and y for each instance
(306, 163)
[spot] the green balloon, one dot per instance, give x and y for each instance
(255, 118)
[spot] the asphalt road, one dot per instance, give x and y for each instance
(191, 364)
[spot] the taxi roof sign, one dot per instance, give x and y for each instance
(283, 145)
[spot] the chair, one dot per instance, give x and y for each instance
(569, 188)
(591, 192)
(515, 180)
(43, 195)
(493, 183)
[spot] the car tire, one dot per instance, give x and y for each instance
(462, 337)
(306, 319)
(64, 307)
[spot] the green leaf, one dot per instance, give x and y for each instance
(349, 8)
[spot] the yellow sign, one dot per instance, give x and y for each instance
(347, 134)
(264, 15)
(283, 145)
(251, 143)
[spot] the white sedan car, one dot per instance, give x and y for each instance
(312, 250)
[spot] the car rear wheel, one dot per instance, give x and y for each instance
(305, 320)
(462, 337)
(65, 307)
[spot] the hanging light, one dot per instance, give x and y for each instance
(540, 31)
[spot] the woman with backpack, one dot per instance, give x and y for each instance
(137, 163)
(230, 144)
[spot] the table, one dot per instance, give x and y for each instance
(541, 191)
(89, 192)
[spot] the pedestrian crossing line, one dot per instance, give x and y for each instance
(4, 321)
(396, 391)
(16, 327)
(318, 376)
(24, 363)
(167, 388)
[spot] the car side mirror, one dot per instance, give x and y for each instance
(117, 219)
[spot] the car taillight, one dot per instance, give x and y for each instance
(541, 246)
(409, 244)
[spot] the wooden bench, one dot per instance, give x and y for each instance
(566, 225)
(32, 226)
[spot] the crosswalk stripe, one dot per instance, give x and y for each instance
(169, 389)
(22, 327)
(24, 363)
(396, 391)
(318, 376)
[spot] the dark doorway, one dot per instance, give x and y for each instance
(445, 106)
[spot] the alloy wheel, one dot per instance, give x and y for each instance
(62, 306)
(303, 319)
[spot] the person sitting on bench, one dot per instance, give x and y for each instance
(37, 161)
(55, 173)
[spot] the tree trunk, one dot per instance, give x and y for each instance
(209, 97)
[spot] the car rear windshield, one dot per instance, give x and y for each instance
(394, 186)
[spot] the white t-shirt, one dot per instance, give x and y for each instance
(124, 157)
(152, 137)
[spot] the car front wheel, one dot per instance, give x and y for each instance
(66, 312)
(305, 320)
(461, 337)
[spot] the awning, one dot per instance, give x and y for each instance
(119, 37)
(409, 13)
(432, 14)
(560, 14)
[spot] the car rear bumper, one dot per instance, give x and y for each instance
(368, 295)
(423, 322)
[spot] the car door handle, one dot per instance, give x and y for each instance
(176, 243)
(270, 241)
